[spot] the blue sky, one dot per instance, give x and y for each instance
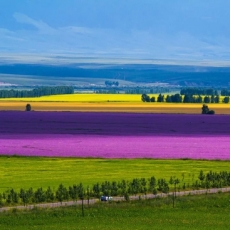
(139, 29)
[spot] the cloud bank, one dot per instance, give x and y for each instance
(147, 29)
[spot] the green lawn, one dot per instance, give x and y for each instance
(191, 212)
(25, 172)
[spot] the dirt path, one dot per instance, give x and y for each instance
(93, 201)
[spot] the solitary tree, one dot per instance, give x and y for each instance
(28, 107)
(205, 110)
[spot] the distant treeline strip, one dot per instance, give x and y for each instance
(198, 91)
(124, 188)
(37, 92)
(187, 98)
(204, 91)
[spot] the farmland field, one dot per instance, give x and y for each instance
(88, 97)
(115, 135)
(105, 103)
(90, 147)
(26, 172)
(199, 212)
(111, 136)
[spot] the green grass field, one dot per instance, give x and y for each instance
(26, 172)
(206, 212)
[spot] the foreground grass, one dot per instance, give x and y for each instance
(191, 212)
(35, 172)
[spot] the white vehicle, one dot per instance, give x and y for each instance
(106, 198)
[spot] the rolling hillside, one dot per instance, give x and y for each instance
(136, 73)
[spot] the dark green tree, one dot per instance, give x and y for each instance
(212, 99)
(49, 195)
(207, 99)
(62, 193)
(145, 98)
(175, 182)
(152, 99)
(152, 184)
(39, 196)
(28, 107)
(226, 100)
(217, 99)
(201, 175)
(81, 195)
(23, 194)
(160, 98)
(205, 109)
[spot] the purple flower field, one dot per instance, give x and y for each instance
(114, 135)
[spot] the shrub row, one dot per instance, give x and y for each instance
(121, 188)
(37, 92)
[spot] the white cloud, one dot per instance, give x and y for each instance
(77, 29)
(4, 31)
(40, 25)
(103, 42)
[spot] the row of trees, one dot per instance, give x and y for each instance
(198, 99)
(198, 91)
(212, 180)
(204, 91)
(37, 92)
(225, 92)
(76, 192)
(146, 98)
(155, 90)
(107, 91)
(187, 98)
(124, 188)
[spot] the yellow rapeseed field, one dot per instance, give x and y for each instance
(89, 97)
(83, 98)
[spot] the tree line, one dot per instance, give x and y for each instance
(124, 188)
(198, 91)
(187, 98)
(145, 90)
(225, 92)
(37, 92)
(204, 91)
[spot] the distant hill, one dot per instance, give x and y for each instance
(138, 73)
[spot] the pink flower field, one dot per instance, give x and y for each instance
(115, 135)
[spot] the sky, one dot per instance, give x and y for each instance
(138, 29)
